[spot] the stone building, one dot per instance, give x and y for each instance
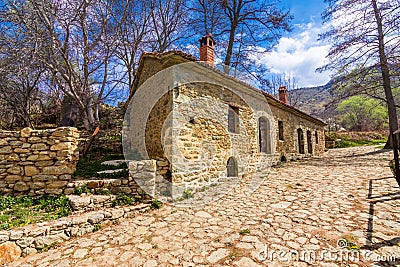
(201, 129)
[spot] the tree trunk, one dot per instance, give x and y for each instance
(69, 112)
(229, 51)
(393, 123)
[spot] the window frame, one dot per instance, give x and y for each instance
(281, 130)
(233, 119)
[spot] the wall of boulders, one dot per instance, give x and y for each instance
(37, 162)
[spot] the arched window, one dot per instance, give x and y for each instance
(264, 139)
(232, 167)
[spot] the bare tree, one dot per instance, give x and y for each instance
(168, 19)
(135, 37)
(21, 76)
(206, 16)
(365, 38)
(75, 41)
(251, 23)
(240, 27)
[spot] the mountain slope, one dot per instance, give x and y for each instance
(314, 101)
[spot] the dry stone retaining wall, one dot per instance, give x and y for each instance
(37, 162)
(32, 238)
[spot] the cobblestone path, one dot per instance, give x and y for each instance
(303, 207)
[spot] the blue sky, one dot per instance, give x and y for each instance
(299, 52)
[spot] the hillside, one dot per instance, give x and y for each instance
(314, 101)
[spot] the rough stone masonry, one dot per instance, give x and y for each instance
(37, 162)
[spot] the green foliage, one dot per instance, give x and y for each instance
(102, 191)
(188, 193)
(47, 247)
(244, 232)
(343, 140)
(142, 193)
(123, 199)
(363, 114)
(80, 190)
(156, 204)
(20, 211)
(97, 227)
(115, 175)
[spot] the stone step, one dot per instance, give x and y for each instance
(114, 162)
(107, 187)
(96, 202)
(111, 171)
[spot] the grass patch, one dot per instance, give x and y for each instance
(24, 210)
(353, 139)
(353, 143)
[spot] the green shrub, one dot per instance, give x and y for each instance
(97, 227)
(102, 191)
(123, 199)
(156, 204)
(82, 189)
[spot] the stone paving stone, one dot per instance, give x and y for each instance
(301, 206)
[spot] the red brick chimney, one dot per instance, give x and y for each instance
(207, 43)
(283, 95)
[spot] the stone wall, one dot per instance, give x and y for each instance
(41, 236)
(289, 147)
(155, 124)
(199, 143)
(144, 174)
(203, 143)
(37, 162)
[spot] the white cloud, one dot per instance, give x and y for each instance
(300, 55)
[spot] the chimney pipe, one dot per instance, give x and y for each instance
(283, 95)
(207, 43)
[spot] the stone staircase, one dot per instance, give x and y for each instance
(101, 192)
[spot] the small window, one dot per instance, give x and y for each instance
(280, 130)
(233, 119)
(316, 137)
